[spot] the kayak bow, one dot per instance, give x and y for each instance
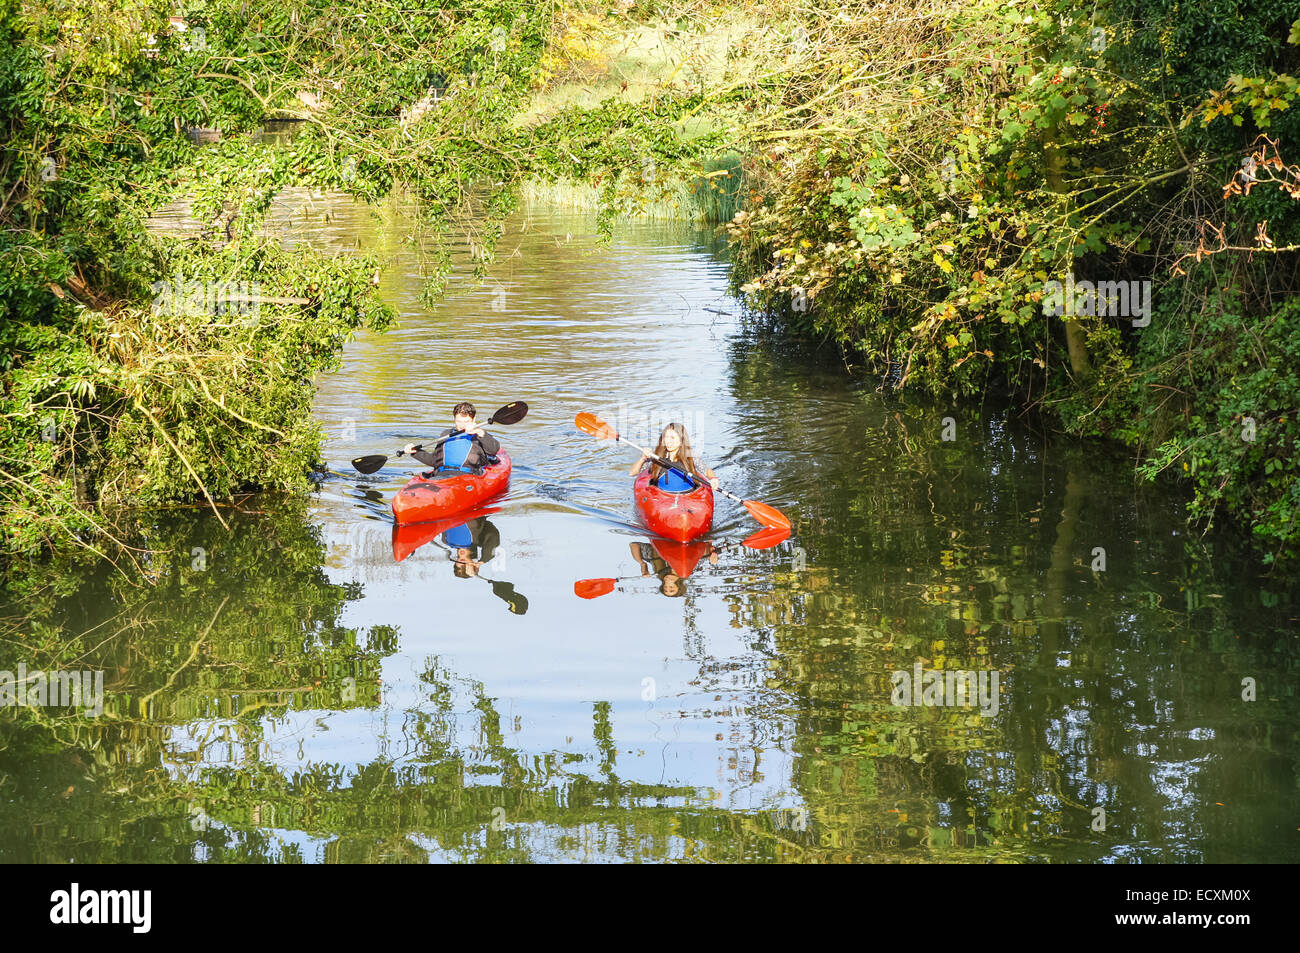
(679, 516)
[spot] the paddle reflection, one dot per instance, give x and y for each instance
(670, 562)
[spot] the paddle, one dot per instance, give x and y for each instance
(505, 591)
(767, 538)
(595, 588)
(769, 516)
(511, 413)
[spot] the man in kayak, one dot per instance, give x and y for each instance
(469, 451)
(674, 445)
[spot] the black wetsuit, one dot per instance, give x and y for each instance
(481, 448)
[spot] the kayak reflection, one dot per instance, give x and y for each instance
(471, 540)
(671, 561)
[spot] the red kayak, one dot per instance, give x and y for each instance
(422, 501)
(679, 516)
(411, 536)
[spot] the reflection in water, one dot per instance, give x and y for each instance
(324, 689)
(670, 562)
(469, 535)
(471, 540)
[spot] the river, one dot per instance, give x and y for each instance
(297, 693)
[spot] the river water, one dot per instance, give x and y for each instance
(299, 693)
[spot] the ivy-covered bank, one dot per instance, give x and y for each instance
(904, 180)
(945, 175)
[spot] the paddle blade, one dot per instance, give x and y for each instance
(591, 424)
(505, 591)
(767, 538)
(511, 413)
(592, 588)
(369, 464)
(769, 516)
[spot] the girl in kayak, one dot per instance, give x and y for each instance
(469, 452)
(674, 445)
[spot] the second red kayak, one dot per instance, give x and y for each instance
(679, 516)
(423, 500)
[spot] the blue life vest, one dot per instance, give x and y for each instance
(673, 482)
(459, 536)
(454, 452)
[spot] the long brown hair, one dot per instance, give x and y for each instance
(685, 458)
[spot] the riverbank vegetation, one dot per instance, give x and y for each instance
(901, 180)
(917, 205)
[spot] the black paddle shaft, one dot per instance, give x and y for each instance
(665, 463)
(511, 413)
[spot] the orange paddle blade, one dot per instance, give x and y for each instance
(590, 423)
(769, 516)
(591, 588)
(767, 538)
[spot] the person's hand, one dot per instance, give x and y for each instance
(713, 482)
(713, 558)
(409, 448)
(478, 432)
